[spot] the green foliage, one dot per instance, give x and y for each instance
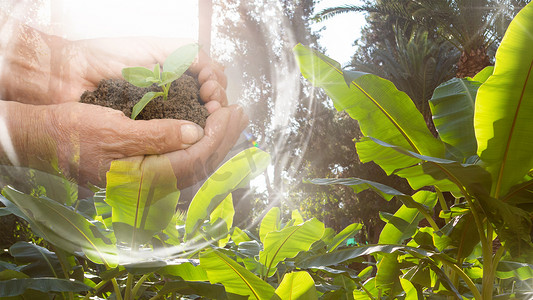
(487, 115)
(174, 66)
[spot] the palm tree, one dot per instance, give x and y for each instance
(472, 26)
(415, 63)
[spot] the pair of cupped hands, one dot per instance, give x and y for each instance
(47, 75)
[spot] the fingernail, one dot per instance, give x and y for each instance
(191, 133)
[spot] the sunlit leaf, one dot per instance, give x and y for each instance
(381, 110)
(297, 217)
(452, 107)
(224, 211)
(410, 290)
(271, 222)
(504, 108)
(404, 222)
(232, 175)
(143, 194)
(297, 286)
(484, 74)
(235, 278)
(287, 243)
(343, 255)
(239, 236)
(347, 232)
(185, 271)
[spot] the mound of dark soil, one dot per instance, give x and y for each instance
(183, 101)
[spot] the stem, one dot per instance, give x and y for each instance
(442, 203)
(117, 289)
(466, 279)
(166, 88)
(96, 288)
(62, 259)
(366, 291)
(129, 283)
(430, 220)
(488, 272)
(139, 284)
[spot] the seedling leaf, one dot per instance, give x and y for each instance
(180, 60)
(137, 76)
(143, 102)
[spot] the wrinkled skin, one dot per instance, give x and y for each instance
(41, 69)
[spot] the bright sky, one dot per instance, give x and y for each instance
(112, 18)
(179, 18)
(340, 31)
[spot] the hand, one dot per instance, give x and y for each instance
(84, 150)
(61, 70)
(44, 69)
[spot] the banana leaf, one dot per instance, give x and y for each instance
(452, 107)
(287, 243)
(235, 278)
(232, 175)
(381, 110)
(503, 117)
(143, 195)
(297, 286)
(271, 222)
(65, 228)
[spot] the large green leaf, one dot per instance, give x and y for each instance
(343, 255)
(382, 111)
(512, 224)
(359, 185)
(65, 228)
(504, 108)
(271, 222)
(232, 175)
(205, 289)
(510, 269)
(143, 194)
(40, 262)
(403, 224)
(287, 243)
(185, 271)
(235, 278)
(297, 285)
(16, 287)
(452, 106)
(446, 174)
(346, 233)
(459, 236)
(224, 212)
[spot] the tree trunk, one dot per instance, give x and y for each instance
(471, 62)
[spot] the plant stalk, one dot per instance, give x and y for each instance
(139, 284)
(466, 279)
(116, 289)
(129, 283)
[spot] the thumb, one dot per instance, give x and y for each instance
(160, 136)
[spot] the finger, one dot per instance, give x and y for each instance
(158, 136)
(221, 132)
(212, 106)
(210, 73)
(212, 91)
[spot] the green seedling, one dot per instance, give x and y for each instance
(174, 66)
